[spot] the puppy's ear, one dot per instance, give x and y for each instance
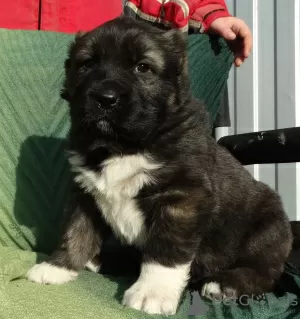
(66, 91)
(175, 41)
(68, 86)
(176, 46)
(79, 34)
(174, 35)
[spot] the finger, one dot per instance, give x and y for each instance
(238, 61)
(244, 33)
(247, 45)
(246, 36)
(236, 47)
(228, 34)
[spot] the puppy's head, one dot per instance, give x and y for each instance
(126, 77)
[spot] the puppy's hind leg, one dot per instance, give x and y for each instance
(235, 283)
(81, 242)
(260, 262)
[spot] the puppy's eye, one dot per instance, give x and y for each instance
(142, 68)
(87, 64)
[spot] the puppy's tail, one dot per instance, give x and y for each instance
(295, 225)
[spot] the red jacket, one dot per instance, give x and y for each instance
(181, 14)
(78, 15)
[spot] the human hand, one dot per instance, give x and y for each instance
(238, 35)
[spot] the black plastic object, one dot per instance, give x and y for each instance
(276, 146)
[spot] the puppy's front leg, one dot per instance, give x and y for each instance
(81, 242)
(158, 289)
(168, 253)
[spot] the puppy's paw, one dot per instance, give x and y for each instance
(153, 300)
(46, 273)
(212, 290)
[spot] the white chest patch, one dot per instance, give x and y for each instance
(115, 188)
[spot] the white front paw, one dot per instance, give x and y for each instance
(158, 289)
(46, 273)
(153, 300)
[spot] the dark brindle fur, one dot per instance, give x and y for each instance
(201, 212)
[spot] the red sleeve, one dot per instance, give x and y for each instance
(180, 14)
(208, 11)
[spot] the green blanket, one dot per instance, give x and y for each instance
(35, 183)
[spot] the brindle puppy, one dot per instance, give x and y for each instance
(147, 170)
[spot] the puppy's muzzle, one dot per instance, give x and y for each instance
(107, 94)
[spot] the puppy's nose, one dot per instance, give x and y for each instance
(107, 98)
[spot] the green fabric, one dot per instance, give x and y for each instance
(96, 296)
(89, 296)
(209, 63)
(35, 180)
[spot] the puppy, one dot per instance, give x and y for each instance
(147, 169)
